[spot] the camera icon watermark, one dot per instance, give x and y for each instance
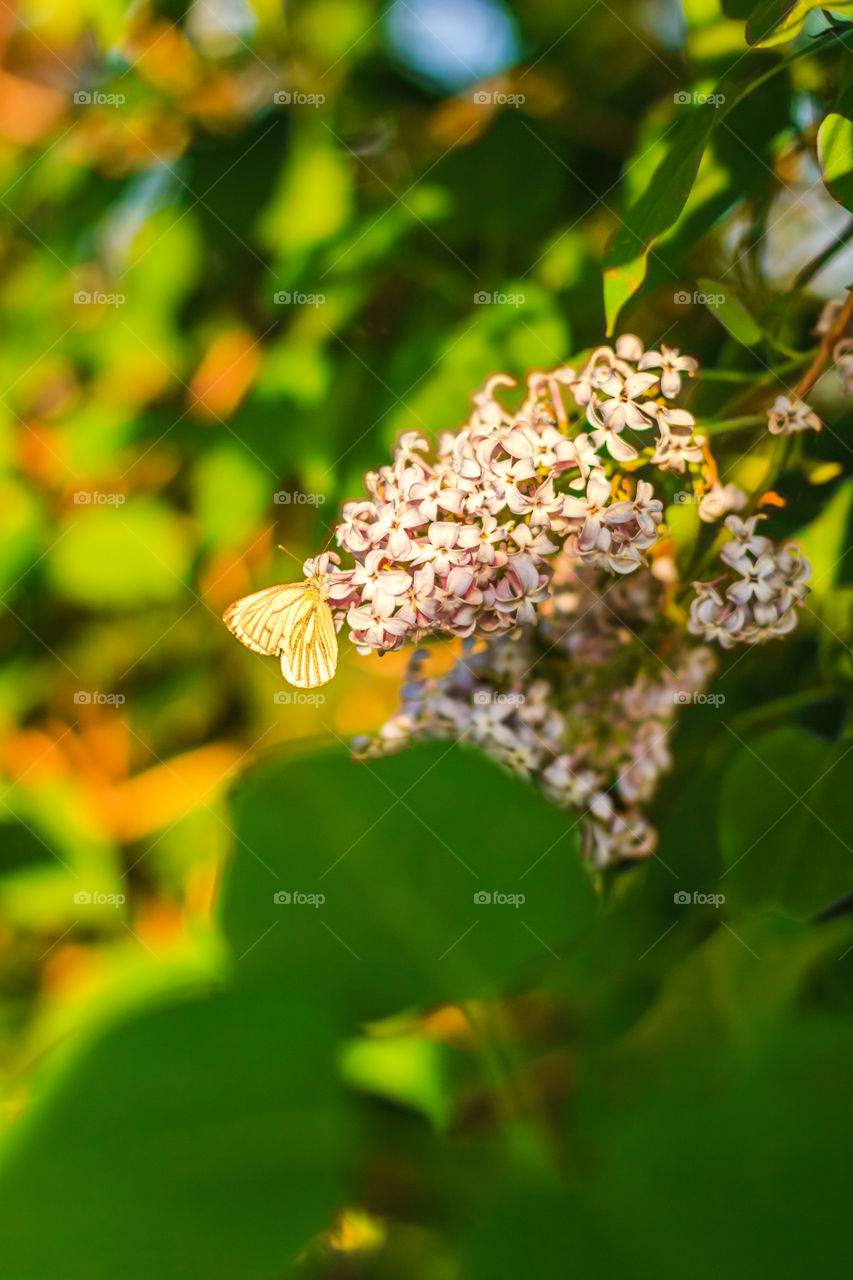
(85, 298)
(298, 698)
(682, 699)
(492, 697)
(93, 497)
(284, 899)
(684, 298)
(485, 98)
(288, 98)
(483, 298)
(85, 98)
(86, 698)
(293, 497)
(96, 899)
(682, 98)
(283, 298)
(684, 899)
(483, 898)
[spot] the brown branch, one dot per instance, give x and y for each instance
(829, 340)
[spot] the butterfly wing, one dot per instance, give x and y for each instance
(310, 652)
(261, 621)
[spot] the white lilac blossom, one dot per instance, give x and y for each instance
(790, 415)
(547, 703)
(459, 539)
(760, 601)
(530, 534)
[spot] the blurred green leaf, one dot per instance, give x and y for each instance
(731, 312)
(785, 828)
(121, 557)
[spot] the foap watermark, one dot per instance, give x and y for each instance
(485, 98)
(485, 299)
(85, 298)
(87, 698)
(285, 299)
(84, 98)
(698, 99)
(484, 898)
(684, 298)
(682, 698)
(684, 899)
(97, 899)
(283, 898)
(294, 98)
(491, 697)
(297, 698)
(94, 498)
(293, 497)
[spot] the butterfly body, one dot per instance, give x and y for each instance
(292, 621)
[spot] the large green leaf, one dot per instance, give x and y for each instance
(785, 824)
(206, 1138)
(399, 850)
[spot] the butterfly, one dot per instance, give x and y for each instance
(293, 620)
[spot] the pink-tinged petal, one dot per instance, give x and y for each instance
(518, 503)
(598, 489)
(393, 582)
(650, 360)
(452, 500)
(574, 508)
(619, 513)
(740, 592)
(670, 383)
(517, 445)
(638, 384)
(525, 571)
(442, 533)
(399, 544)
(636, 417)
(629, 347)
(613, 413)
(619, 449)
(589, 534)
(359, 618)
(680, 418)
(458, 581)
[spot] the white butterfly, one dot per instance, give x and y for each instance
(294, 620)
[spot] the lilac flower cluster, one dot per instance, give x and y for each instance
(759, 603)
(546, 702)
(460, 542)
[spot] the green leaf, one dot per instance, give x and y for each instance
(398, 849)
(776, 21)
(207, 1138)
(120, 556)
(835, 149)
(726, 307)
(785, 826)
(200, 1139)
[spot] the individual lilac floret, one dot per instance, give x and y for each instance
(790, 416)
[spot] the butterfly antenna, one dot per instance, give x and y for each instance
(290, 553)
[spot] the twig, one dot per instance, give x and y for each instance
(829, 340)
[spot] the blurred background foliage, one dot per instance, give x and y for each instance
(242, 248)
